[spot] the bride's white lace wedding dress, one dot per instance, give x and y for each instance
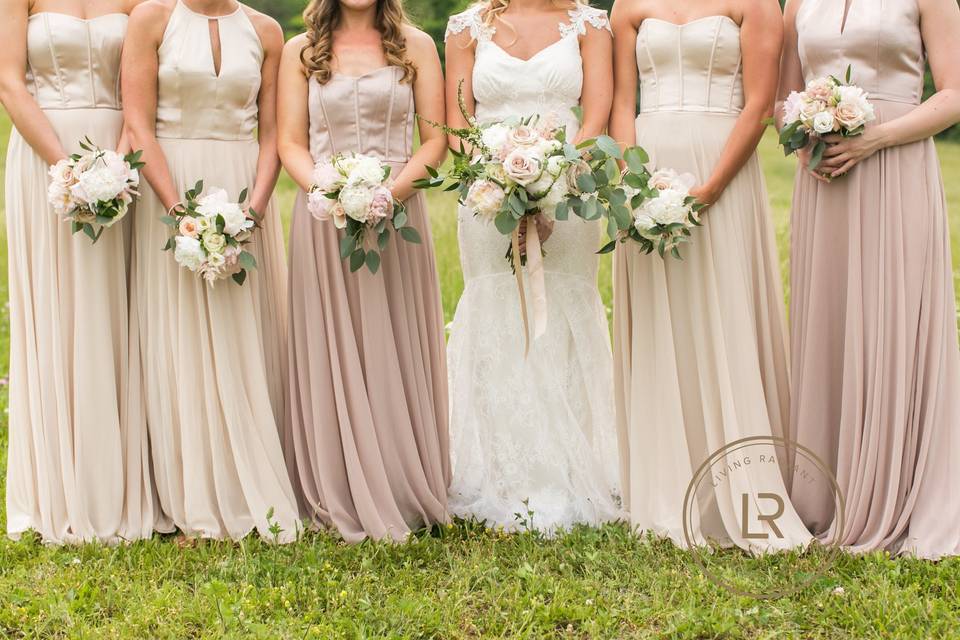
(536, 434)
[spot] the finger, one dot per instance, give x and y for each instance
(844, 169)
(834, 162)
(818, 176)
(834, 150)
(832, 138)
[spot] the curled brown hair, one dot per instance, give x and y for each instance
(321, 17)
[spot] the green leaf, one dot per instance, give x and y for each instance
(607, 248)
(75, 227)
(636, 159)
(586, 183)
(170, 221)
(88, 229)
(373, 261)
(387, 170)
(357, 259)
(243, 196)
(382, 239)
(505, 223)
(563, 211)
(410, 235)
(849, 73)
(610, 147)
(578, 113)
(817, 155)
(247, 261)
(399, 218)
(171, 243)
(240, 277)
(347, 245)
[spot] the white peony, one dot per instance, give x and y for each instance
(217, 203)
(669, 207)
(495, 138)
(365, 170)
(326, 178)
(355, 200)
(539, 188)
(485, 198)
(60, 199)
(99, 184)
(791, 107)
(823, 122)
(557, 194)
(189, 252)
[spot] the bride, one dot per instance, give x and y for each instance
(533, 442)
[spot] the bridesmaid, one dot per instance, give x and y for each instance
(78, 466)
(876, 367)
(368, 380)
(200, 86)
(700, 358)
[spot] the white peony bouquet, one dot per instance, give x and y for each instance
(211, 232)
(825, 106)
(94, 190)
(664, 214)
(351, 190)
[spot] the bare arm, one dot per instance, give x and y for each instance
(791, 72)
(429, 102)
(268, 162)
(26, 114)
(139, 84)
(623, 117)
(461, 54)
(596, 49)
(761, 39)
(939, 24)
(293, 115)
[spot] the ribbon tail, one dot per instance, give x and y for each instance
(538, 287)
(518, 271)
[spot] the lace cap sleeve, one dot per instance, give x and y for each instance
(582, 16)
(470, 19)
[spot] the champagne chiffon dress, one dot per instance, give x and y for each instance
(368, 378)
(213, 357)
(78, 467)
(876, 373)
(700, 356)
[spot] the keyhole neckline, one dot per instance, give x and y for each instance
(206, 17)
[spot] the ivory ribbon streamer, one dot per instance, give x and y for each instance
(537, 284)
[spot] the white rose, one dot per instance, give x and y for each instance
(495, 172)
(523, 165)
(485, 198)
(216, 260)
(62, 173)
(524, 136)
(356, 199)
(820, 89)
(823, 122)
(214, 242)
(366, 170)
(189, 252)
(556, 165)
(809, 110)
(60, 199)
(850, 116)
(557, 194)
(662, 179)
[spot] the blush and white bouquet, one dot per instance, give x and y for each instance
(664, 213)
(351, 190)
(825, 106)
(211, 232)
(94, 190)
(507, 172)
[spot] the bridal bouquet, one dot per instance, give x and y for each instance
(94, 190)
(825, 106)
(351, 189)
(508, 172)
(664, 213)
(211, 233)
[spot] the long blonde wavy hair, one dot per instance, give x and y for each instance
(321, 17)
(494, 9)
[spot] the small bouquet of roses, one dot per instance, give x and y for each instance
(351, 189)
(664, 213)
(825, 106)
(211, 232)
(94, 190)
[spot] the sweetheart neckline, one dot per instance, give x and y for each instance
(73, 17)
(534, 56)
(680, 25)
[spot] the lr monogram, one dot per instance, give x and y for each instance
(770, 519)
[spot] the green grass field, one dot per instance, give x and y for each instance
(460, 582)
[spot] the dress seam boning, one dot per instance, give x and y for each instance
(393, 94)
(93, 86)
(326, 119)
(53, 58)
(713, 54)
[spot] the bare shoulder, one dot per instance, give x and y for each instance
(151, 16)
(295, 45)
(763, 9)
(419, 43)
(271, 35)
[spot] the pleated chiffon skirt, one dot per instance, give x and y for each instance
(214, 363)
(876, 373)
(368, 383)
(78, 462)
(700, 357)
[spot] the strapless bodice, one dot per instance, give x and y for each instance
(193, 100)
(73, 63)
(690, 67)
(371, 114)
(880, 42)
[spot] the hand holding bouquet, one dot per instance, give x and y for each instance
(351, 189)
(664, 213)
(211, 233)
(825, 106)
(94, 190)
